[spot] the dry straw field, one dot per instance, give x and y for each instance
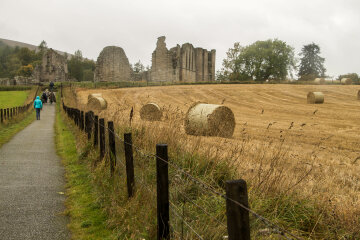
(281, 144)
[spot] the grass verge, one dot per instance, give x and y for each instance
(87, 220)
(14, 126)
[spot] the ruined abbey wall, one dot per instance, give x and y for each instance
(179, 64)
(53, 68)
(182, 64)
(112, 65)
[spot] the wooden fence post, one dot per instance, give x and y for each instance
(237, 217)
(102, 137)
(90, 123)
(129, 157)
(112, 149)
(162, 179)
(7, 114)
(96, 130)
(1, 115)
(11, 113)
(82, 120)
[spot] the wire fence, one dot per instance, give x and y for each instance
(186, 192)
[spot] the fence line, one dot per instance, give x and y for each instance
(237, 207)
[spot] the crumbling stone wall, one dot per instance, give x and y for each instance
(182, 64)
(53, 68)
(179, 64)
(112, 65)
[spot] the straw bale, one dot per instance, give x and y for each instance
(315, 97)
(346, 81)
(151, 112)
(97, 103)
(319, 80)
(209, 120)
(94, 95)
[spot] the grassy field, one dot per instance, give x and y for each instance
(12, 98)
(301, 161)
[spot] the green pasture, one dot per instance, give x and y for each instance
(12, 98)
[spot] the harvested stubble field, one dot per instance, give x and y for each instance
(281, 144)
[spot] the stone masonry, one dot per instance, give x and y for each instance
(53, 68)
(179, 64)
(112, 65)
(182, 64)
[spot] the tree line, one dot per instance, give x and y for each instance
(16, 61)
(274, 59)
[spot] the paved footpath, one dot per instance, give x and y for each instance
(31, 183)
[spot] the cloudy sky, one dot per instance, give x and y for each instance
(134, 25)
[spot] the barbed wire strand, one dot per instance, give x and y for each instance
(205, 211)
(182, 219)
(281, 231)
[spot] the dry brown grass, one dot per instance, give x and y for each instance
(281, 145)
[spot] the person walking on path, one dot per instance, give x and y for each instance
(38, 106)
(51, 86)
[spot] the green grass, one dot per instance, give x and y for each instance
(14, 126)
(87, 220)
(10, 99)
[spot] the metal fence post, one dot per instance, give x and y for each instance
(237, 217)
(129, 157)
(162, 179)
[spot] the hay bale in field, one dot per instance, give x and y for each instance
(151, 112)
(358, 95)
(94, 95)
(209, 120)
(97, 103)
(315, 97)
(346, 81)
(319, 81)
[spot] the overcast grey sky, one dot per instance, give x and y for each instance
(134, 25)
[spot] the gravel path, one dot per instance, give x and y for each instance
(32, 184)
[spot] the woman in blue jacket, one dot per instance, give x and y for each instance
(38, 106)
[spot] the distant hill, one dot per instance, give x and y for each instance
(12, 43)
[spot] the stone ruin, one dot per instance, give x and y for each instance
(53, 68)
(112, 65)
(179, 64)
(182, 64)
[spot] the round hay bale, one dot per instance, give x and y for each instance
(94, 95)
(97, 103)
(151, 112)
(346, 81)
(319, 81)
(209, 120)
(315, 97)
(358, 95)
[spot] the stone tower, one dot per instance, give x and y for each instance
(112, 65)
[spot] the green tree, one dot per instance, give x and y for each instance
(81, 69)
(75, 66)
(26, 56)
(262, 60)
(138, 67)
(311, 64)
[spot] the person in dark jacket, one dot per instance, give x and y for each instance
(51, 86)
(38, 106)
